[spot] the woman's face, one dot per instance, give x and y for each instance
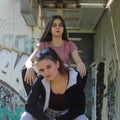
(57, 28)
(48, 69)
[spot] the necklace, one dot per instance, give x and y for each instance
(61, 86)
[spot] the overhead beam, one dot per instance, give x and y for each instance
(66, 18)
(92, 5)
(49, 5)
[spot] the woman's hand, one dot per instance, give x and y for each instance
(30, 76)
(82, 69)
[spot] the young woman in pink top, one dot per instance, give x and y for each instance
(55, 36)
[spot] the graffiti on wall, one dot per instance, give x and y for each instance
(12, 93)
(112, 78)
(11, 104)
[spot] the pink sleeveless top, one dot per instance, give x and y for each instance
(64, 51)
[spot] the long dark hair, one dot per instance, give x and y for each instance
(47, 36)
(49, 53)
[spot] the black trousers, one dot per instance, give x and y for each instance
(26, 85)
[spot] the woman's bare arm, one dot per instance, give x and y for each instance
(30, 73)
(80, 65)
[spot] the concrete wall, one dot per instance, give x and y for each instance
(16, 42)
(107, 50)
(14, 33)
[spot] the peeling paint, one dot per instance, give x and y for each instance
(112, 78)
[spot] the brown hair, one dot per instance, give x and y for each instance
(49, 53)
(47, 36)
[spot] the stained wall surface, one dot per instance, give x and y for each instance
(15, 45)
(107, 50)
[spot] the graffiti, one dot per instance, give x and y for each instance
(112, 77)
(10, 69)
(100, 90)
(12, 93)
(11, 105)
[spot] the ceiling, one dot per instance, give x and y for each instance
(80, 15)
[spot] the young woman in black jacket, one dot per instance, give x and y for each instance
(58, 92)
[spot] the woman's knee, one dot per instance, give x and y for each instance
(27, 116)
(81, 117)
